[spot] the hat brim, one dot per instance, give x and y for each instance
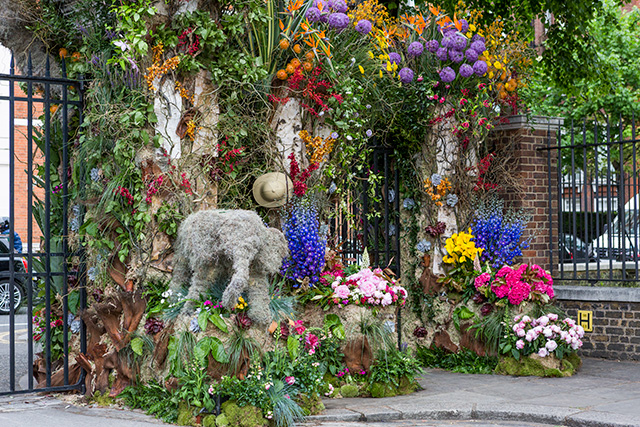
(271, 177)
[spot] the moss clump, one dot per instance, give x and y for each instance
(222, 421)
(209, 421)
(349, 390)
(311, 405)
(185, 415)
(532, 366)
(246, 416)
(103, 399)
(406, 385)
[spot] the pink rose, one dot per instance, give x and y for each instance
(290, 380)
(551, 345)
(519, 344)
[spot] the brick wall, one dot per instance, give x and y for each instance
(21, 201)
(616, 328)
(520, 140)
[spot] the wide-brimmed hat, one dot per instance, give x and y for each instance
(272, 189)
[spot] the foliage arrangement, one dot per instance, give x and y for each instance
(465, 361)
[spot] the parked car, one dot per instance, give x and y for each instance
(620, 233)
(572, 248)
(19, 266)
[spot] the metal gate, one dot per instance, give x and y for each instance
(598, 199)
(40, 115)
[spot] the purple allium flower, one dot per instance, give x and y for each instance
(477, 37)
(433, 45)
(406, 75)
(472, 55)
(478, 46)
(447, 75)
(415, 49)
(395, 57)
(464, 25)
(339, 6)
(338, 21)
(480, 68)
(466, 70)
(313, 14)
(458, 42)
(456, 55)
(363, 26)
(441, 54)
(446, 41)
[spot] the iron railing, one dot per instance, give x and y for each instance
(46, 95)
(597, 190)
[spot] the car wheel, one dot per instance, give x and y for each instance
(5, 302)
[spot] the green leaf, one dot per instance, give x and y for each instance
(515, 353)
(219, 322)
(293, 346)
(136, 345)
(202, 349)
(202, 319)
(217, 350)
(73, 301)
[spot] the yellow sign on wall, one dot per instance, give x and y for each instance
(585, 319)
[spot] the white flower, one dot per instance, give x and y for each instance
(547, 332)
(526, 319)
(551, 345)
(544, 321)
(543, 352)
(124, 46)
(552, 316)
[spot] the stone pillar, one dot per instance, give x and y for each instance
(535, 187)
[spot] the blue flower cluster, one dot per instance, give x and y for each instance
(302, 230)
(499, 234)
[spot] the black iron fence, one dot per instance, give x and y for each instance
(42, 281)
(598, 228)
(372, 217)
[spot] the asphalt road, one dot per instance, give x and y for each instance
(21, 350)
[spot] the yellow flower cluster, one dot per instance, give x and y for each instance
(184, 93)
(318, 147)
(371, 10)
(159, 68)
(438, 192)
(508, 56)
(191, 130)
(241, 304)
(461, 248)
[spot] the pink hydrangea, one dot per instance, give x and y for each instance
(501, 291)
(482, 280)
(519, 292)
(504, 271)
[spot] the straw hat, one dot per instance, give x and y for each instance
(272, 189)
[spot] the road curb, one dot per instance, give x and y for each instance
(563, 416)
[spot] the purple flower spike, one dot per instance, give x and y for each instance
(313, 14)
(465, 25)
(338, 21)
(406, 75)
(441, 54)
(433, 46)
(415, 49)
(472, 55)
(478, 46)
(480, 68)
(447, 75)
(459, 42)
(363, 26)
(395, 57)
(466, 70)
(456, 55)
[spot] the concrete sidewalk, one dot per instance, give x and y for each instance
(602, 394)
